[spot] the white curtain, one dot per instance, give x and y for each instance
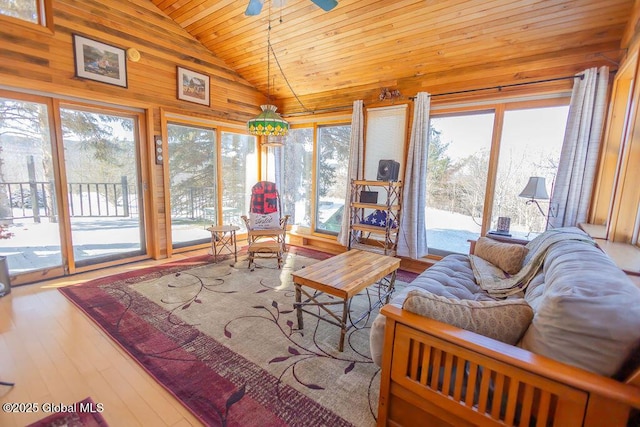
(412, 241)
(579, 157)
(356, 162)
(278, 159)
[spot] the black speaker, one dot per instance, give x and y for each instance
(368, 197)
(388, 170)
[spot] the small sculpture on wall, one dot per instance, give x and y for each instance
(387, 94)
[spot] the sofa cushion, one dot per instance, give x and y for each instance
(587, 311)
(504, 320)
(450, 277)
(507, 256)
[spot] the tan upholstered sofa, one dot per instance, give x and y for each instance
(557, 346)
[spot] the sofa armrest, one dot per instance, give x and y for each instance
(427, 365)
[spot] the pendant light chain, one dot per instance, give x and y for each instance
(269, 57)
(268, 122)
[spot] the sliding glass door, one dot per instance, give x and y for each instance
(103, 190)
(28, 200)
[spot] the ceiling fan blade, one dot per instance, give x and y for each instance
(325, 5)
(254, 7)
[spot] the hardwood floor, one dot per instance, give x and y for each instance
(55, 354)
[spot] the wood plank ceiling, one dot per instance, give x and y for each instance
(331, 58)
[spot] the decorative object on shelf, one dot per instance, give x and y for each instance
(268, 123)
(368, 196)
(388, 170)
(379, 218)
(535, 190)
(99, 61)
(386, 94)
(192, 86)
(503, 226)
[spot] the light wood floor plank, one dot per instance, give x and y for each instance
(56, 354)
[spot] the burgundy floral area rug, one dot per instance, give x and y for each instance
(224, 341)
(85, 413)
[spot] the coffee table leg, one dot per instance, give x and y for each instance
(235, 248)
(343, 324)
(298, 305)
(391, 287)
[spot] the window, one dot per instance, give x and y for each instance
(457, 167)
(530, 146)
(35, 11)
(312, 175)
(331, 177)
(297, 176)
(239, 174)
(459, 170)
(192, 183)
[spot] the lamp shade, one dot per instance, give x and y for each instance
(535, 189)
(268, 122)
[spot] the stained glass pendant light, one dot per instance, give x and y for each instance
(268, 122)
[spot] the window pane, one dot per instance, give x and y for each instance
(331, 179)
(457, 168)
(192, 183)
(102, 180)
(239, 174)
(530, 146)
(22, 9)
(297, 172)
(27, 188)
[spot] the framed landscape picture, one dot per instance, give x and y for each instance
(99, 61)
(193, 86)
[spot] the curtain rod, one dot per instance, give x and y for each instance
(581, 76)
(499, 88)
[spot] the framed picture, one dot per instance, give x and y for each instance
(193, 86)
(99, 61)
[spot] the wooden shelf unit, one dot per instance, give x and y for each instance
(379, 239)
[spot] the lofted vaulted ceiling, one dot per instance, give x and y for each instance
(350, 52)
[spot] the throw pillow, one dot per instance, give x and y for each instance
(264, 221)
(504, 320)
(507, 256)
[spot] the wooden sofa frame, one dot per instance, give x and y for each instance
(508, 385)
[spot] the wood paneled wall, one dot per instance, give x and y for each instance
(37, 59)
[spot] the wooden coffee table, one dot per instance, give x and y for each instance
(343, 276)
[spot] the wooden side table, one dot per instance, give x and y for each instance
(223, 238)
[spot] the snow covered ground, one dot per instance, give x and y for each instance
(37, 246)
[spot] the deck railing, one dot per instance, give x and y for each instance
(36, 199)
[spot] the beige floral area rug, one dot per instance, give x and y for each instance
(224, 340)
